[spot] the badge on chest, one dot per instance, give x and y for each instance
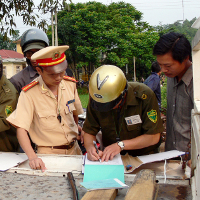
(135, 119)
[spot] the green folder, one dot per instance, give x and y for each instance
(104, 170)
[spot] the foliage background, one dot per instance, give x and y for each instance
(96, 33)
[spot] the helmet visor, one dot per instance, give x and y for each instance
(105, 107)
(34, 45)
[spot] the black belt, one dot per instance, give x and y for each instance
(66, 146)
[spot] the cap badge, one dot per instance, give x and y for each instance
(56, 55)
(101, 83)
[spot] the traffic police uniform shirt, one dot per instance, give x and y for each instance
(139, 115)
(8, 102)
(49, 120)
(37, 112)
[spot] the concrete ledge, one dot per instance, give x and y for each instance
(196, 41)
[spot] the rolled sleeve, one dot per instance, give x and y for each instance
(23, 115)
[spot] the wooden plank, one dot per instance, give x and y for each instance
(100, 195)
(143, 187)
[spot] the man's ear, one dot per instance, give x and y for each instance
(187, 58)
(39, 70)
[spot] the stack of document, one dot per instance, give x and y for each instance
(103, 175)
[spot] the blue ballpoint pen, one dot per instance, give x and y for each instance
(95, 145)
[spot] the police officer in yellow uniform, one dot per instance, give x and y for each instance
(127, 113)
(48, 109)
(8, 102)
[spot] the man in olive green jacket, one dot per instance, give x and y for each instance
(8, 101)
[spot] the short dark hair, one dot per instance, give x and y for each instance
(155, 67)
(176, 44)
(40, 67)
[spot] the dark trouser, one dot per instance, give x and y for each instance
(8, 141)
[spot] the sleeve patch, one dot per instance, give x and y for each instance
(8, 110)
(152, 115)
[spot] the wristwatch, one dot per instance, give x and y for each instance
(121, 145)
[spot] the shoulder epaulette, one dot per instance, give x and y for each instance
(70, 78)
(30, 85)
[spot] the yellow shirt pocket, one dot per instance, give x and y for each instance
(47, 120)
(69, 115)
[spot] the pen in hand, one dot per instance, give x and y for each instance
(95, 145)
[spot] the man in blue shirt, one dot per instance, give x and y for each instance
(153, 81)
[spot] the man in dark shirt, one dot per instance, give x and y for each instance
(173, 52)
(31, 41)
(153, 81)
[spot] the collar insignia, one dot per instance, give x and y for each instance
(43, 87)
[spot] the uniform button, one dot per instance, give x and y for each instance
(174, 105)
(174, 142)
(135, 92)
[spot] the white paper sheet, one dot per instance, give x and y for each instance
(9, 160)
(160, 156)
(117, 160)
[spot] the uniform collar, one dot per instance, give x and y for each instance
(45, 89)
(43, 86)
(187, 77)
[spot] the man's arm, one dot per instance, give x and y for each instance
(76, 119)
(24, 141)
(17, 84)
(89, 145)
(80, 132)
(139, 142)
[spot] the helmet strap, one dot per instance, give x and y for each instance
(123, 98)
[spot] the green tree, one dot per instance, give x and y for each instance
(184, 28)
(99, 34)
(7, 43)
(25, 9)
(9, 9)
